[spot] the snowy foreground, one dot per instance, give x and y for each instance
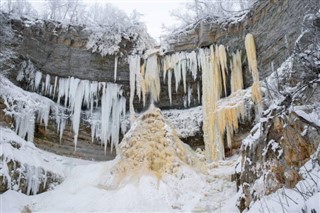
(84, 188)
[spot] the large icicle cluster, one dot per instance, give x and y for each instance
(217, 120)
(76, 94)
(220, 116)
(26, 108)
(179, 64)
(145, 77)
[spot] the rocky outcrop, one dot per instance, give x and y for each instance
(274, 159)
(26, 178)
(27, 174)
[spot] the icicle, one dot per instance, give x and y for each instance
(134, 67)
(66, 92)
(211, 93)
(106, 102)
(50, 90)
(164, 68)
(55, 86)
(236, 74)
(227, 115)
(169, 85)
(223, 63)
(61, 128)
(37, 80)
(94, 94)
(86, 92)
(253, 66)
(143, 84)
(139, 80)
(115, 68)
(112, 108)
(177, 69)
(199, 94)
(215, 76)
(183, 64)
(76, 96)
(189, 95)
(44, 114)
(73, 91)
(24, 121)
(152, 78)
(206, 89)
(47, 84)
(193, 64)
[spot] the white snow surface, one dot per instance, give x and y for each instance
(84, 188)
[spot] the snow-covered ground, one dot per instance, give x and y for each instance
(304, 197)
(85, 186)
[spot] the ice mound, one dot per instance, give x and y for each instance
(152, 147)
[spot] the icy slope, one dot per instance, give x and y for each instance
(88, 186)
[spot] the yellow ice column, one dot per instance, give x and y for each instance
(253, 66)
(236, 73)
(211, 93)
(222, 56)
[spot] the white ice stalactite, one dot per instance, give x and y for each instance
(164, 68)
(112, 108)
(55, 86)
(152, 78)
(189, 95)
(169, 86)
(47, 85)
(134, 67)
(183, 64)
(177, 69)
(76, 93)
(37, 80)
(139, 81)
(43, 114)
(193, 64)
(106, 102)
(198, 93)
(62, 126)
(115, 68)
(87, 93)
(32, 176)
(94, 94)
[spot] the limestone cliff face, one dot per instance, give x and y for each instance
(61, 50)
